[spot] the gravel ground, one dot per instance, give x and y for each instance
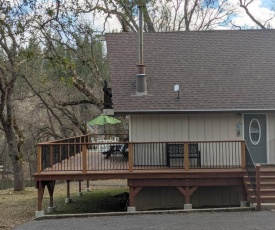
(19, 207)
(249, 220)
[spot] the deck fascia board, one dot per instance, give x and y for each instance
(142, 174)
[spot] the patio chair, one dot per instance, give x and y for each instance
(117, 149)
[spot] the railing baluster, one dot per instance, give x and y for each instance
(39, 158)
(84, 158)
(51, 155)
(243, 154)
(186, 156)
(130, 157)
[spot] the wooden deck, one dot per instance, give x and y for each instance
(221, 164)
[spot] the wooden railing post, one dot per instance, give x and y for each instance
(131, 157)
(258, 188)
(186, 156)
(84, 158)
(243, 154)
(39, 158)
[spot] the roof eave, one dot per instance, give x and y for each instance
(194, 111)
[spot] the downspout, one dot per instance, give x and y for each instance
(141, 84)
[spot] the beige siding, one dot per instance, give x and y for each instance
(182, 127)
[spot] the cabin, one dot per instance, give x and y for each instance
(201, 110)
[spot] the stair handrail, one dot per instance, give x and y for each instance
(253, 173)
(250, 169)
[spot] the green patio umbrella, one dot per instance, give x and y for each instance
(103, 120)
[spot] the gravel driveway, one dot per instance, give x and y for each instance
(251, 220)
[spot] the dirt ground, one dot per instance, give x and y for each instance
(19, 207)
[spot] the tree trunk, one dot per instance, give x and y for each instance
(15, 159)
(7, 121)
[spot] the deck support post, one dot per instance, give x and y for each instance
(133, 191)
(88, 186)
(187, 192)
(258, 188)
(40, 189)
(79, 189)
(50, 186)
(68, 199)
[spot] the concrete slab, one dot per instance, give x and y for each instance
(39, 214)
(235, 209)
(51, 209)
(187, 206)
(131, 209)
(268, 206)
(68, 200)
(244, 203)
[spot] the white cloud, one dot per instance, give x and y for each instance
(259, 11)
(98, 20)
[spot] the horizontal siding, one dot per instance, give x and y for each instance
(183, 127)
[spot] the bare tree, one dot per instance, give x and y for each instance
(245, 5)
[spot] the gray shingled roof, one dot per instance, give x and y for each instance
(216, 71)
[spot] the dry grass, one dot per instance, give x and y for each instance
(19, 207)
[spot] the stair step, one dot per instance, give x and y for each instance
(267, 178)
(263, 183)
(266, 185)
(265, 199)
(267, 173)
(264, 192)
(267, 167)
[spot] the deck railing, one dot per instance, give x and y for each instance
(86, 154)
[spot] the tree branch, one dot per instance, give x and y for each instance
(245, 7)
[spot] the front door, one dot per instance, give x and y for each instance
(255, 136)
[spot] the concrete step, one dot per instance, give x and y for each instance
(264, 206)
(268, 206)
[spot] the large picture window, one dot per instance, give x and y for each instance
(255, 131)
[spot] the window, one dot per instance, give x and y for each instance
(255, 131)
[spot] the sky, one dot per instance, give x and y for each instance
(260, 9)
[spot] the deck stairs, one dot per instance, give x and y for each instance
(267, 187)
